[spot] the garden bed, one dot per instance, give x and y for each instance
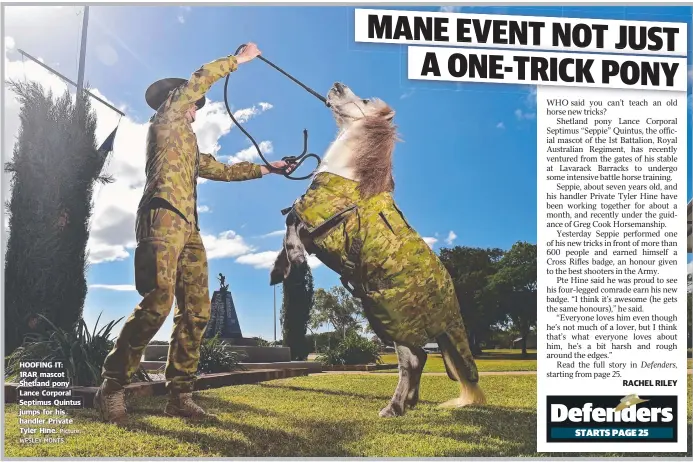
(157, 388)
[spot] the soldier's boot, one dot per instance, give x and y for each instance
(111, 405)
(182, 405)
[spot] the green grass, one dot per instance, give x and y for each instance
(489, 361)
(324, 415)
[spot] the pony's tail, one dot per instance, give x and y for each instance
(460, 366)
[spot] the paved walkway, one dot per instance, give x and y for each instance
(690, 371)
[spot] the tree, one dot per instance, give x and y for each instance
(689, 299)
(514, 286)
(324, 340)
(338, 308)
(470, 268)
(689, 323)
(53, 170)
(314, 323)
(295, 312)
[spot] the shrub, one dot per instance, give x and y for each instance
(54, 167)
(323, 340)
(81, 352)
(354, 349)
(262, 342)
(295, 312)
(215, 357)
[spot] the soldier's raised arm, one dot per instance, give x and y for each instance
(202, 79)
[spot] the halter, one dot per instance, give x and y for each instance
(294, 161)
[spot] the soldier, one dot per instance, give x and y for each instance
(170, 257)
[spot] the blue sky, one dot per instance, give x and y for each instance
(466, 168)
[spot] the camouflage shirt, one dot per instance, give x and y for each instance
(174, 161)
(409, 294)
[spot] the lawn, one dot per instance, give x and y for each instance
(489, 361)
(325, 415)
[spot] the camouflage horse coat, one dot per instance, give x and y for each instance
(407, 293)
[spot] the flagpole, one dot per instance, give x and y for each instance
(82, 52)
(275, 314)
(82, 57)
(61, 76)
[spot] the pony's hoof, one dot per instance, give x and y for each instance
(389, 411)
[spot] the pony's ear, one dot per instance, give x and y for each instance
(281, 269)
(387, 113)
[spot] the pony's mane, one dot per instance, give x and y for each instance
(373, 149)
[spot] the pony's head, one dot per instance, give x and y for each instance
(347, 107)
(371, 137)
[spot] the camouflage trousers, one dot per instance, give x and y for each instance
(170, 262)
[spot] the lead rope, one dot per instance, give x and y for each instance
(294, 161)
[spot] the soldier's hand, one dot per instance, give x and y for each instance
(282, 166)
(248, 53)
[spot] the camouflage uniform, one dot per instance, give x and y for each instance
(170, 258)
(407, 293)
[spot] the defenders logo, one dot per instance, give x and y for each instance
(611, 419)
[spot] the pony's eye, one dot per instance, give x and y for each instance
(364, 101)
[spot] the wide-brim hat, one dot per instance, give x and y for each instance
(157, 92)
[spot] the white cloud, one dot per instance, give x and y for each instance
(531, 98)
(313, 261)
(183, 13)
(530, 102)
(521, 115)
(250, 154)
(203, 209)
(260, 260)
(116, 287)
(244, 115)
(265, 260)
(451, 238)
(500, 125)
(213, 122)
(112, 235)
(225, 245)
(279, 232)
(430, 241)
